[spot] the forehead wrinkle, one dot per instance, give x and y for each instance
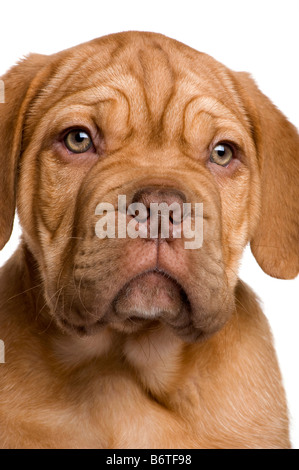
(158, 79)
(130, 69)
(80, 61)
(209, 76)
(212, 106)
(96, 95)
(118, 78)
(94, 69)
(189, 86)
(190, 107)
(69, 68)
(59, 80)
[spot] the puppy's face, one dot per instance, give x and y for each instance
(141, 116)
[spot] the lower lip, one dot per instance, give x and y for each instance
(149, 295)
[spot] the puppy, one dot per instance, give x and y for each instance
(139, 341)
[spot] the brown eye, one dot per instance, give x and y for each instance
(78, 141)
(222, 154)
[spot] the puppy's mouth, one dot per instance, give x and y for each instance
(151, 299)
(149, 296)
(148, 301)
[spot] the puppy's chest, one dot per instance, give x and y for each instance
(152, 360)
(118, 399)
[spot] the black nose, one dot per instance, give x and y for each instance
(164, 210)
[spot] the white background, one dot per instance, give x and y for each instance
(258, 36)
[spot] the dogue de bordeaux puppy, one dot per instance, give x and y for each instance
(139, 342)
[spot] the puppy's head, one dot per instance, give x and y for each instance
(134, 120)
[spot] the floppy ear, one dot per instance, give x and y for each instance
(19, 89)
(275, 243)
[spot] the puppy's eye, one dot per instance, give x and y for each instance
(78, 141)
(222, 154)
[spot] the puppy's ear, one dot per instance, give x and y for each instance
(20, 86)
(275, 243)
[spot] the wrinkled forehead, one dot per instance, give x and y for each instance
(139, 81)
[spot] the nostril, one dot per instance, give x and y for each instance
(139, 211)
(175, 220)
(143, 216)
